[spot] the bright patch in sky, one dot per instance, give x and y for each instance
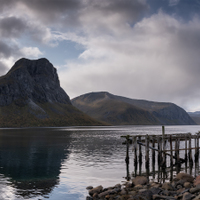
(140, 49)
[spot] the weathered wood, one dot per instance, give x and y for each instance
(196, 156)
(147, 151)
(164, 154)
(171, 153)
(127, 149)
(197, 146)
(187, 142)
(135, 152)
(153, 151)
(160, 151)
(178, 150)
(185, 149)
(190, 151)
(160, 143)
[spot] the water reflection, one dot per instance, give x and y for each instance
(31, 159)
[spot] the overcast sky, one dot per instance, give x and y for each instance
(141, 49)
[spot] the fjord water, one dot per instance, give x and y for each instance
(59, 163)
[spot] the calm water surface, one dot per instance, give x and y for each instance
(59, 163)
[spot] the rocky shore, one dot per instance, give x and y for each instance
(183, 187)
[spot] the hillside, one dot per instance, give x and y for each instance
(30, 95)
(195, 116)
(119, 110)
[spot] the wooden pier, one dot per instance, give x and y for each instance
(162, 152)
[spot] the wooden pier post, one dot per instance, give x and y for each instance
(153, 152)
(127, 149)
(178, 151)
(147, 152)
(196, 148)
(176, 147)
(186, 148)
(186, 157)
(159, 150)
(140, 156)
(190, 151)
(135, 153)
(171, 152)
(164, 154)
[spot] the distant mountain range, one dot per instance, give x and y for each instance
(195, 116)
(117, 110)
(30, 95)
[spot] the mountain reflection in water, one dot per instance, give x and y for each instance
(31, 159)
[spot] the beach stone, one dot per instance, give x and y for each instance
(155, 190)
(117, 186)
(138, 187)
(89, 198)
(129, 185)
(95, 195)
(187, 185)
(179, 187)
(197, 181)
(167, 186)
(197, 197)
(140, 180)
(159, 197)
(157, 185)
(123, 192)
(145, 195)
(89, 187)
(97, 190)
(195, 189)
(142, 190)
(133, 193)
(103, 194)
(184, 176)
(187, 196)
(181, 191)
(180, 182)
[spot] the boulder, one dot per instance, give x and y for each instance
(167, 186)
(197, 181)
(140, 180)
(195, 189)
(187, 196)
(185, 177)
(97, 190)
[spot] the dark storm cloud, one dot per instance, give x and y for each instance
(12, 27)
(3, 68)
(53, 10)
(129, 9)
(7, 50)
(70, 11)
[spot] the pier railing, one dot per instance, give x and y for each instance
(161, 152)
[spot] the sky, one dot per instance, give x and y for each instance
(140, 49)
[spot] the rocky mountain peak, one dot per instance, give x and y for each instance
(31, 81)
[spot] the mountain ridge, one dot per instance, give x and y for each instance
(131, 111)
(30, 95)
(195, 116)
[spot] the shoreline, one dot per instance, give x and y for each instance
(183, 187)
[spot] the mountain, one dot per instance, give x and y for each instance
(30, 95)
(119, 110)
(195, 116)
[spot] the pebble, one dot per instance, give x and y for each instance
(183, 187)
